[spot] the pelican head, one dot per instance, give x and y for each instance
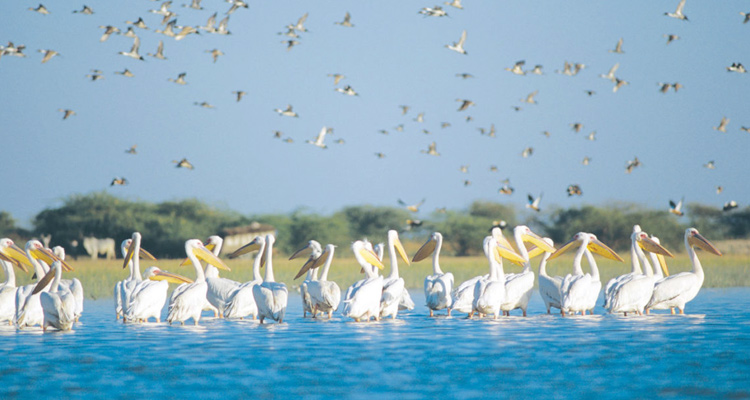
(393, 238)
(14, 254)
(156, 274)
(365, 255)
(196, 248)
(648, 244)
(428, 248)
(39, 252)
(592, 243)
(255, 245)
(133, 242)
(694, 238)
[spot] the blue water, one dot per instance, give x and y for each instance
(705, 354)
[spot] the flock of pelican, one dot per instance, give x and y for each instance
(55, 302)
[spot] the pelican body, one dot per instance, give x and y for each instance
(314, 250)
(393, 285)
(270, 296)
(438, 286)
(58, 303)
(10, 256)
(362, 299)
(242, 302)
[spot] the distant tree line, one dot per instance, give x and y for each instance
(167, 225)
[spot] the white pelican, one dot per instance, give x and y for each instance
(438, 286)
(325, 295)
(393, 285)
(631, 295)
(124, 289)
(362, 299)
(220, 289)
(270, 296)
(188, 299)
(28, 306)
(518, 287)
(677, 290)
(489, 292)
(74, 285)
(578, 290)
(10, 255)
(242, 302)
(58, 303)
(549, 286)
(147, 297)
(118, 286)
(314, 250)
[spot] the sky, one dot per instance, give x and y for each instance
(392, 56)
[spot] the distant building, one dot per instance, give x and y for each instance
(238, 236)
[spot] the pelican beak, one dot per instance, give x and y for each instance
(401, 252)
(305, 251)
(129, 254)
(210, 247)
(425, 250)
(509, 255)
(663, 264)
(252, 246)
(371, 258)
(145, 254)
(49, 258)
(565, 248)
(535, 251)
(501, 240)
(205, 255)
(170, 277)
(309, 264)
(696, 239)
(42, 283)
(651, 246)
(14, 254)
(596, 246)
(537, 241)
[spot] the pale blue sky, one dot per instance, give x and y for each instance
(392, 56)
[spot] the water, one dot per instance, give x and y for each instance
(705, 354)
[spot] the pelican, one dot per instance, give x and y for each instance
(118, 286)
(635, 269)
(677, 290)
(362, 299)
(315, 251)
(579, 291)
(125, 288)
(220, 290)
(270, 296)
(58, 304)
(10, 255)
(393, 285)
(549, 286)
(28, 306)
(242, 303)
(438, 286)
(325, 295)
(188, 299)
(518, 287)
(74, 285)
(632, 295)
(490, 290)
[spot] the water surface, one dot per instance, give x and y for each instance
(705, 354)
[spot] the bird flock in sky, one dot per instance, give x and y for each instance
(166, 26)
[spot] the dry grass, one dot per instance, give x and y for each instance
(99, 277)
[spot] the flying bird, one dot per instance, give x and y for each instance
(678, 12)
(537, 70)
(589, 92)
(746, 15)
(419, 118)
(730, 205)
(48, 54)
(203, 104)
(574, 190)
(125, 73)
(413, 207)
(464, 104)
(347, 90)
(618, 84)
(464, 169)
(431, 150)
(546, 134)
(184, 163)
(86, 10)
(516, 69)
(133, 53)
(611, 74)
(132, 150)
(117, 181)
(671, 38)
(632, 164)
(215, 53)
(336, 78)
(236, 4)
(194, 4)
(458, 46)
(300, 25)
(506, 189)
(413, 223)
(239, 94)
(95, 75)
(527, 152)
(576, 126)
(736, 67)
(533, 203)
(287, 112)
(41, 9)
(138, 24)
(290, 43)
(465, 75)
(586, 160)
(719, 189)
(180, 79)
(745, 129)
(67, 113)
(435, 11)
(676, 209)
(591, 136)
(404, 109)
(320, 138)
(710, 165)
(722, 125)
(530, 98)
(347, 21)
(379, 155)
(618, 47)
(454, 3)
(159, 52)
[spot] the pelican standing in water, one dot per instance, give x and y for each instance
(220, 289)
(677, 290)
(58, 303)
(125, 288)
(270, 296)
(489, 291)
(10, 255)
(188, 299)
(73, 284)
(393, 285)
(314, 251)
(242, 303)
(362, 299)
(118, 286)
(578, 289)
(632, 295)
(635, 270)
(518, 287)
(438, 286)
(549, 286)
(147, 297)
(325, 295)
(28, 306)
